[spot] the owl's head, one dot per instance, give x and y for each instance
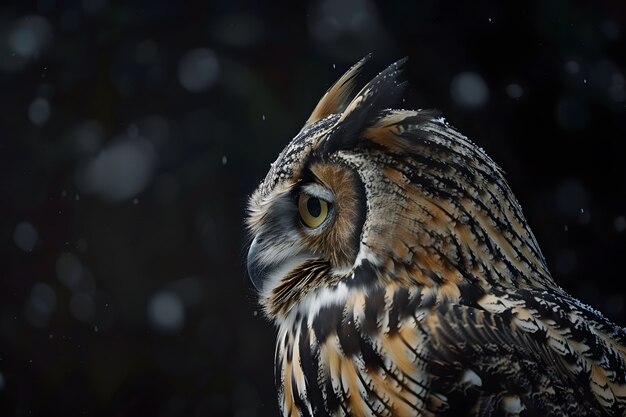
(366, 196)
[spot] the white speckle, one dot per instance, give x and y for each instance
(224, 160)
(584, 216)
(39, 111)
(263, 117)
(619, 223)
(490, 19)
(472, 378)
(198, 70)
(334, 66)
(95, 328)
(166, 312)
(571, 194)
(585, 80)
(582, 210)
(25, 236)
(566, 228)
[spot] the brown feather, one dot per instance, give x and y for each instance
(337, 97)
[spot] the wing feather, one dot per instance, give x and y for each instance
(527, 357)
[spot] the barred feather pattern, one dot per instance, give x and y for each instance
(445, 306)
(396, 352)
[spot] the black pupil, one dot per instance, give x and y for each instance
(314, 207)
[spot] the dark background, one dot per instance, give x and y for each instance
(132, 133)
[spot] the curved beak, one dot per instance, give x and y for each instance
(256, 270)
(260, 270)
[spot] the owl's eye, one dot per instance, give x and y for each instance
(313, 210)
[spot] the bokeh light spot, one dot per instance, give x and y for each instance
(30, 35)
(469, 90)
(166, 312)
(619, 223)
(40, 305)
(25, 236)
(514, 90)
(39, 111)
(198, 70)
(119, 171)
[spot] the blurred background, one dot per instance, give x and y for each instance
(131, 134)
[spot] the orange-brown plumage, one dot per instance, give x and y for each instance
(419, 289)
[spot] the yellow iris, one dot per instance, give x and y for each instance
(313, 210)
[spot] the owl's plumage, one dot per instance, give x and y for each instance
(404, 280)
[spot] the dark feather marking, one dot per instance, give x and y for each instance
(332, 400)
(374, 361)
(395, 314)
(372, 393)
(414, 302)
(364, 275)
(278, 366)
(374, 306)
(326, 322)
(417, 354)
(380, 92)
(344, 397)
(507, 362)
(310, 369)
(297, 398)
(349, 336)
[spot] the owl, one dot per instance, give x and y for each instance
(403, 279)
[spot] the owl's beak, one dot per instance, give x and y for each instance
(261, 270)
(256, 270)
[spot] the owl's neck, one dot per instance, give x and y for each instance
(450, 257)
(461, 267)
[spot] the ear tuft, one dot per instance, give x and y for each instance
(337, 97)
(364, 109)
